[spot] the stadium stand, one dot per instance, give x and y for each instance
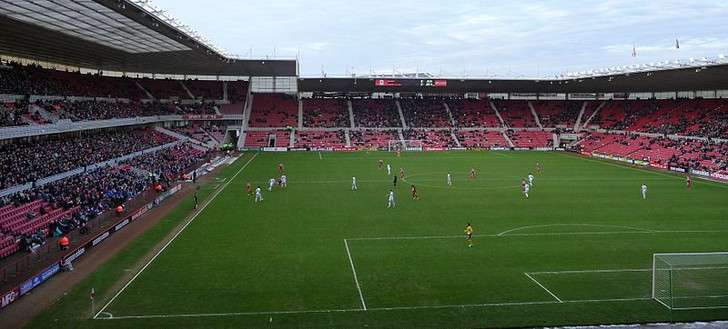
(274, 110)
(376, 113)
(516, 113)
(325, 112)
(429, 113)
(370, 138)
(470, 113)
(317, 138)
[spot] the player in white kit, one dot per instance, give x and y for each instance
(389, 169)
(284, 181)
(526, 188)
(449, 179)
(391, 199)
(644, 191)
(530, 179)
(353, 183)
(271, 183)
(258, 196)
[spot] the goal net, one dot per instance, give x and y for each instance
(690, 280)
(406, 145)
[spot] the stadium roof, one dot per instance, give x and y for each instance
(118, 35)
(683, 79)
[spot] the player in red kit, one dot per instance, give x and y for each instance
(401, 173)
(472, 172)
(688, 183)
(414, 193)
(399, 152)
(280, 167)
(250, 189)
(381, 162)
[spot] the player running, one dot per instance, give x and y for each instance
(526, 189)
(258, 195)
(353, 183)
(284, 181)
(688, 183)
(644, 191)
(472, 173)
(271, 183)
(280, 167)
(394, 180)
(391, 200)
(414, 193)
(249, 188)
(401, 173)
(530, 179)
(469, 235)
(399, 152)
(381, 162)
(389, 169)
(538, 168)
(449, 179)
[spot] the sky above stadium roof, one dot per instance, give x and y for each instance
(513, 39)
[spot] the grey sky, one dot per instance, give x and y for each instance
(460, 38)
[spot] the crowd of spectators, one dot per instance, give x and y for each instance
(27, 161)
(167, 164)
(12, 115)
(325, 113)
(425, 113)
(376, 113)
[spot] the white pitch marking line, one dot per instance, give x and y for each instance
(589, 225)
(544, 288)
(174, 237)
(422, 307)
(356, 279)
(523, 234)
(593, 271)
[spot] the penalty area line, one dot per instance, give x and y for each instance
(174, 237)
(394, 308)
(544, 288)
(356, 279)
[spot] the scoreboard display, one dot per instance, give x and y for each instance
(410, 83)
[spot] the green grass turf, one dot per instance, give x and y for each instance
(284, 262)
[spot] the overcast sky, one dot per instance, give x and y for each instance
(460, 38)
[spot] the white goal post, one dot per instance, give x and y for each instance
(683, 281)
(407, 145)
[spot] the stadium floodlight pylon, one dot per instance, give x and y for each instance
(405, 145)
(683, 281)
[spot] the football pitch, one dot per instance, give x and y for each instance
(319, 254)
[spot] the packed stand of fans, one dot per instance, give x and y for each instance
(430, 113)
(11, 114)
(28, 161)
(376, 113)
(323, 112)
(98, 110)
(35, 80)
(167, 164)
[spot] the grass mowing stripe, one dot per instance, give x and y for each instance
(544, 288)
(353, 270)
(526, 234)
(174, 237)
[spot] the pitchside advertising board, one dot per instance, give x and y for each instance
(717, 175)
(46, 274)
